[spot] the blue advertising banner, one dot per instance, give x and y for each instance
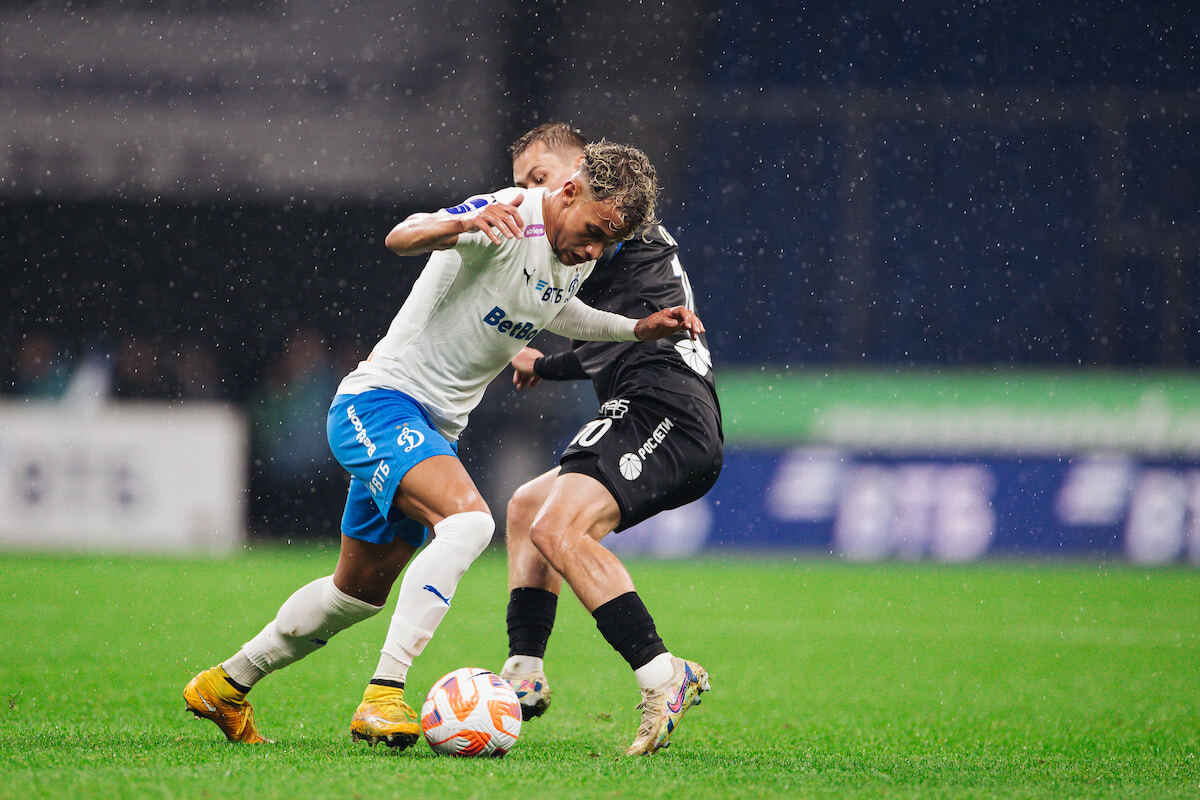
(946, 508)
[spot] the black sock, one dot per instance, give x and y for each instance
(629, 628)
(530, 620)
(236, 685)
(386, 682)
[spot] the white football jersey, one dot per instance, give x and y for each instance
(470, 311)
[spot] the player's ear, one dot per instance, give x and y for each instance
(570, 191)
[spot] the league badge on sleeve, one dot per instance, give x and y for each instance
(471, 204)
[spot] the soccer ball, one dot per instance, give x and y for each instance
(471, 712)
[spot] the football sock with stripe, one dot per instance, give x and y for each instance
(305, 622)
(428, 587)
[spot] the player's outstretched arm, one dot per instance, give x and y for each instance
(667, 322)
(423, 233)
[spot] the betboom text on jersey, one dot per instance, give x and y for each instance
(521, 331)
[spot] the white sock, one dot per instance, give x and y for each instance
(305, 622)
(242, 669)
(428, 587)
(523, 665)
(655, 672)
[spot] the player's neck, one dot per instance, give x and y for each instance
(551, 206)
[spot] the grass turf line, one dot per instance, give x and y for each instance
(829, 680)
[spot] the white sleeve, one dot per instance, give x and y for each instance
(476, 239)
(578, 320)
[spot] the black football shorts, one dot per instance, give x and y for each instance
(652, 450)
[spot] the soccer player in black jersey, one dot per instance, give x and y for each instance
(655, 444)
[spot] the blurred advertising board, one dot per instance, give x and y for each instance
(122, 476)
(153, 102)
(952, 468)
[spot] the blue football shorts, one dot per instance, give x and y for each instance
(378, 436)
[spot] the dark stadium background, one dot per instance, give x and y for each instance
(891, 186)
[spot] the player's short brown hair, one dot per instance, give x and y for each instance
(555, 135)
(625, 176)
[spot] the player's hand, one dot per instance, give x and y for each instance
(662, 324)
(522, 364)
(499, 219)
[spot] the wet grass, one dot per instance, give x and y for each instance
(829, 680)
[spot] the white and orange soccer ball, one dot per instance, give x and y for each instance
(471, 712)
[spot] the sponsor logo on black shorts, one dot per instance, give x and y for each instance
(614, 409)
(630, 464)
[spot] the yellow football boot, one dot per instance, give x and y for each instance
(210, 695)
(383, 716)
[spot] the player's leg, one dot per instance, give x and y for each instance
(532, 601)
(414, 483)
(526, 566)
(370, 559)
(368, 570)
(305, 622)
(438, 494)
(579, 512)
(643, 454)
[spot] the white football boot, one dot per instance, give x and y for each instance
(664, 707)
(533, 691)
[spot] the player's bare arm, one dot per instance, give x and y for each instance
(424, 232)
(662, 324)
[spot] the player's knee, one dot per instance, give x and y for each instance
(549, 537)
(447, 501)
(522, 508)
(466, 501)
(470, 531)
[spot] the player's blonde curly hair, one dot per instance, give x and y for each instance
(623, 175)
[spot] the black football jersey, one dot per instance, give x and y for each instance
(636, 278)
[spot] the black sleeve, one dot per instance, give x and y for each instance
(559, 367)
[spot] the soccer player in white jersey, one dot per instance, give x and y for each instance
(504, 266)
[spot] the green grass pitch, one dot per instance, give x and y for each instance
(829, 680)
